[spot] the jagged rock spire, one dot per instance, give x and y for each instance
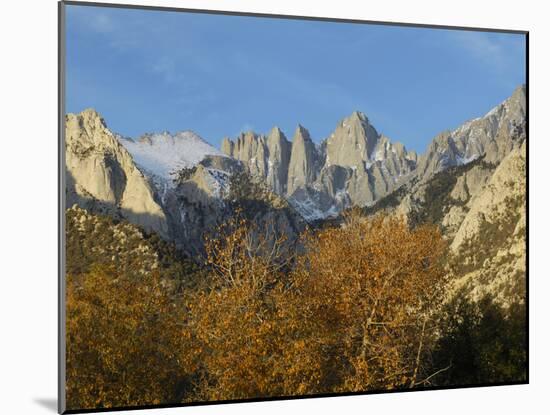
(303, 158)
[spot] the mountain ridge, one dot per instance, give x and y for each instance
(357, 166)
(354, 166)
(163, 153)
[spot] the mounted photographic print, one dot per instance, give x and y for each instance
(261, 207)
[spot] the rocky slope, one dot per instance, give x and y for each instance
(100, 240)
(97, 239)
(161, 154)
(481, 209)
(491, 135)
(102, 176)
(175, 185)
(217, 187)
(488, 251)
(355, 165)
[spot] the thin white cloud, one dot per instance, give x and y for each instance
(481, 46)
(166, 68)
(102, 23)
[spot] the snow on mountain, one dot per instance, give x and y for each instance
(491, 136)
(160, 154)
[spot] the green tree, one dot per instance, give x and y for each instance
(482, 342)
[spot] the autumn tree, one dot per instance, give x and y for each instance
(356, 312)
(234, 316)
(124, 337)
(363, 303)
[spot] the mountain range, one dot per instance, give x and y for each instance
(179, 186)
(356, 165)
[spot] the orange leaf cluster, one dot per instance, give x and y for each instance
(352, 310)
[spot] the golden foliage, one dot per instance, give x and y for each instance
(234, 318)
(352, 311)
(369, 292)
(123, 340)
(355, 313)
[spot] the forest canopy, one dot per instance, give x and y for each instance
(357, 307)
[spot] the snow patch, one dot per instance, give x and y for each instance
(494, 111)
(219, 182)
(465, 160)
(161, 154)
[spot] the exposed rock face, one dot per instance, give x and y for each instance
(228, 147)
(251, 149)
(278, 150)
(355, 165)
(462, 161)
(352, 143)
(506, 185)
(266, 157)
(443, 198)
(491, 135)
(303, 159)
(472, 182)
(197, 205)
(458, 165)
(462, 195)
(102, 175)
(205, 200)
(481, 209)
(490, 244)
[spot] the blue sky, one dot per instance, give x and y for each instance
(148, 71)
